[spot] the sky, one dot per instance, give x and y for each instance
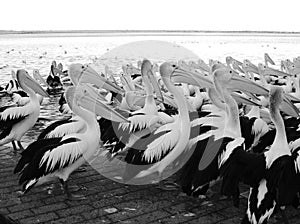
(224, 15)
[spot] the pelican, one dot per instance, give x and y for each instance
(13, 85)
(16, 121)
(53, 79)
(46, 159)
(234, 64)
(21, 98)
(211, 145)
(63, 73)
(268, 60)
(263, 175)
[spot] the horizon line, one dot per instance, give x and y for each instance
(141, 31)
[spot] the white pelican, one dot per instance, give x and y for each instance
(16, 121)
(21, 98)
(166, 143)
(234, 64)
(46, 159)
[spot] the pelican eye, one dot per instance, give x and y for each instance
(230, 72)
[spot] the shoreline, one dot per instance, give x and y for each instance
(143, 33)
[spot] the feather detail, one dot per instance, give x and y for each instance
(66, 153)
(15, 112)
(229, 150)
(160, 146)
(139, 122)
(73, 127)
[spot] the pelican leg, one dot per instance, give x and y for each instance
(14, 146)
(70, 196)
(20, 145)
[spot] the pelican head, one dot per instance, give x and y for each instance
(37, 76)
(249, 66)
(230, 60)
(26, 82)
(87, 97)
(184, 75)
(60, 66)
(167, 69)
(268, 59)
(147, 72)
(276, 97)
(264, 70)
(53, 63)
(223, 75)
(86, 74)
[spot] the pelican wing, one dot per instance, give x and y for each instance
(9, 117)
(68, 151)
(285, 178)
(21, 93)
(139, 122)
(62, 128)
(12, 113)
(6, 107)
(154, 146)
(136, 153)
(119, 134)
(52, 157)
(53, 126)
(202, 167)
(28, 154)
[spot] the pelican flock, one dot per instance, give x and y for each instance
(231, 123)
